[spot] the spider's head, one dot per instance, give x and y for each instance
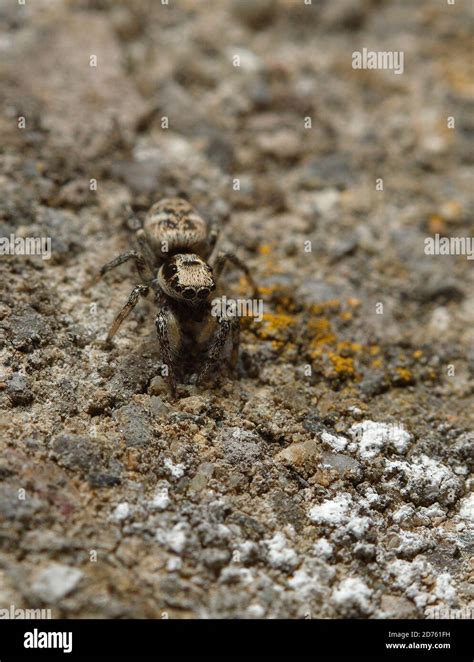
(186, 277)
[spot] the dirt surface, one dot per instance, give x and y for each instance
(329, 476)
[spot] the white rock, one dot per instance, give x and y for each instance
(466, 510)
(255, 611)
(55, 581)
(122, 511)
(161, 500)
(174, 563)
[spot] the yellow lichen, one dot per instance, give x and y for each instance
(404, 374)
(320, 332)
(346, 346)
(319, 308)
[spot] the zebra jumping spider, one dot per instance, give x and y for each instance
(178, 262)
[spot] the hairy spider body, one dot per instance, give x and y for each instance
(172, 226)
(177, 261)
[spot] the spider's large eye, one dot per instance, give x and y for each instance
(203, 293)
(169, 271)
(189, 293)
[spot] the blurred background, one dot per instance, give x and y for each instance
(326, 180)
(306, 135)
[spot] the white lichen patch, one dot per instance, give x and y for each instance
(408, 515)
(312, 578)
(176, 470)
(402, 514)
(445, 590)
(332, 511)
(323, 548)
(280, 555)
(424, 479)
(358, 526)
(337, 442)
(408, 543)
(372, 437)
(412, 577)
(352, 596)
(174, 538)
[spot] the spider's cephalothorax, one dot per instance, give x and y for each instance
(177, 261)
(186, 277)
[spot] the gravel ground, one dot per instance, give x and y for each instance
(329, 476)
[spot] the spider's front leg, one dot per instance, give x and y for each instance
(144, 270)
(219, 263)
(225, 327)
(169, 337)
(135, 294)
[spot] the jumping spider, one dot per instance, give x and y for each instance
(177, 261)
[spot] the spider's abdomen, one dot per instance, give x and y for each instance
(173, 226)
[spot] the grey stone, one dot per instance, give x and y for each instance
(134, 425)
(29, 329)
(19, 390)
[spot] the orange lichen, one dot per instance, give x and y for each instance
(342, 365)
(274, 325)
(354, 302)
(436, 224)
(320, 332)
